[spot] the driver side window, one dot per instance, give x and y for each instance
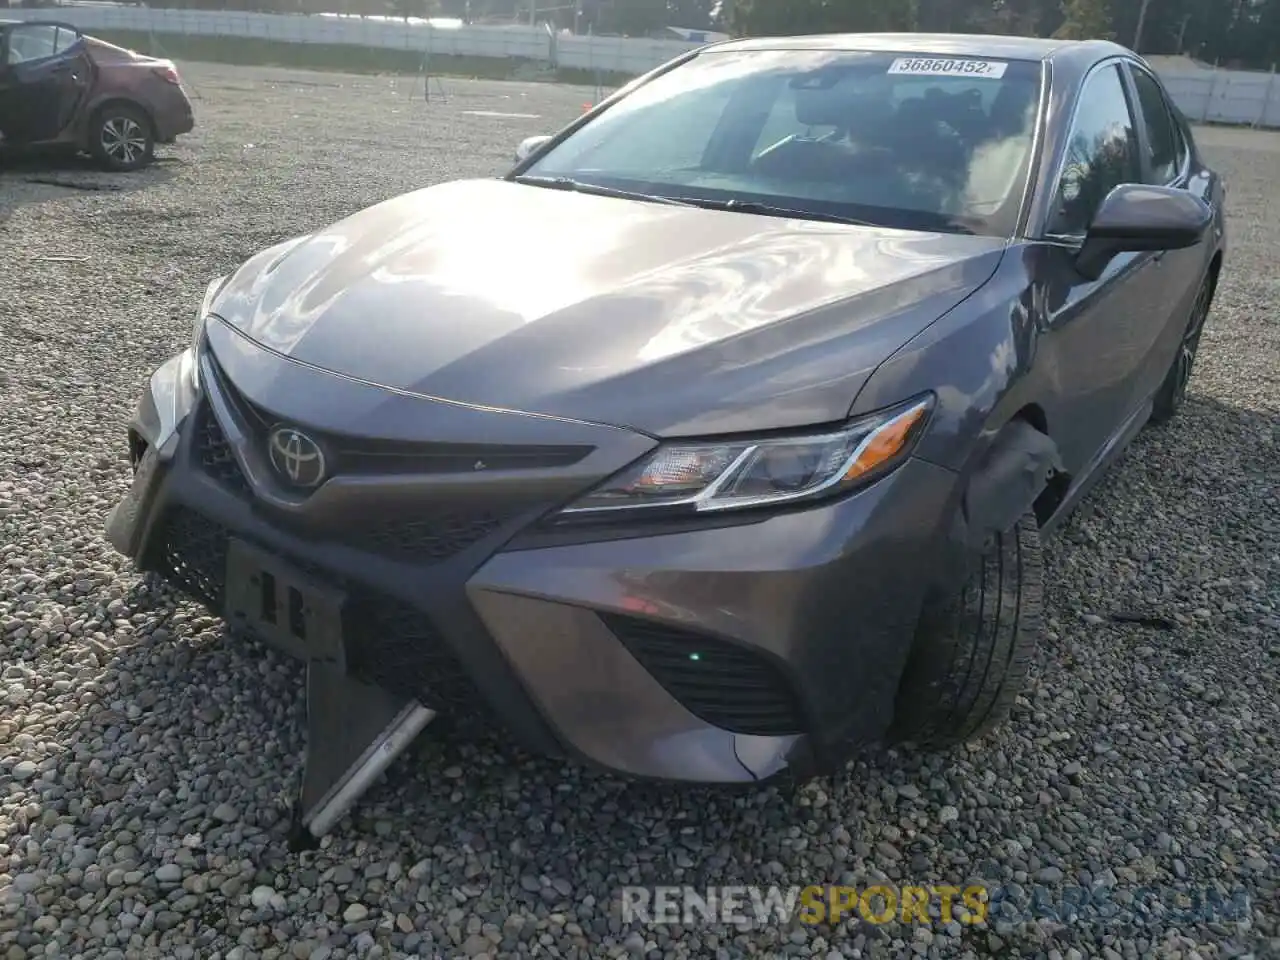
(66, 39)
(1101, 153)
(33, 43)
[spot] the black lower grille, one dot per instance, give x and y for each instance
(388, 642)
(193, 553)
(395, 646)
(719, 682)
(214, 452)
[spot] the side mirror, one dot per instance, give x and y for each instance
(528, 145)
(1136, 217)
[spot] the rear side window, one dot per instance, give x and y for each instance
(1164, 145)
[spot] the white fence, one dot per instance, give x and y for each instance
(610, 54)
(1221, 96)
(1227, 96)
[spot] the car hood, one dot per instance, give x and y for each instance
(667, 319)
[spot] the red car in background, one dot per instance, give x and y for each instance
(62, 89)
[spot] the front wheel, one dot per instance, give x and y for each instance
(973, 650)
(1173, 391)
(120, 138)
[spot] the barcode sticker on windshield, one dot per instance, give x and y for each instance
(949, 67)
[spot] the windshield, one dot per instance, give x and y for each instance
(918, 142)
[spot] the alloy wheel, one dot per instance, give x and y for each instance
(1191, 343)
(123, 140)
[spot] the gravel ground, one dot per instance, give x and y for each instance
(145, 756)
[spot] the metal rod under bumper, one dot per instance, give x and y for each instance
(361, 775)
(355, 730)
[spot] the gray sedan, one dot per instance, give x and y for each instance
(715, 440)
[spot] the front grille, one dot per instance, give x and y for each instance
(430, 539)
(371, 456)
(718, 682)
(389, 643)
(438, 533)
(214, 452)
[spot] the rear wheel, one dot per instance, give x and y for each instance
(120, 137)
(1173, 391)
(973, 650)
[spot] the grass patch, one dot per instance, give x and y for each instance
(260, 52)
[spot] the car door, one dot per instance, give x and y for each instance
(1096, 332)
(1166, 162)
(45, 76)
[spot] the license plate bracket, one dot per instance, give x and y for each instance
(284, 607)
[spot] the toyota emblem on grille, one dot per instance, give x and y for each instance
(296, 457)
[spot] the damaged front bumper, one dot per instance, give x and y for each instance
(710, 654)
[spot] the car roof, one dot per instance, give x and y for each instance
(953, 44)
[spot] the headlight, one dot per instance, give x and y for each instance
(206, 305)
(197, 327)
(737, 473)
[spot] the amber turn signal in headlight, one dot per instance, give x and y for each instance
(751, 472)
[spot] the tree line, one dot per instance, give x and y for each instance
(1243, 33)
(1234, 33)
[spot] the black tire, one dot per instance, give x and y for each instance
(121, 137)
(1173, 391)
(972, 651)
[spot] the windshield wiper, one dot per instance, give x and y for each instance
(732, 205)
(769, 210)
(579, 186)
